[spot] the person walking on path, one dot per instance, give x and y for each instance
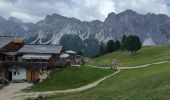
(115, 64)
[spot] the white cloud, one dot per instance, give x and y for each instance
(25, 17)
(106, 7)
(34, 10)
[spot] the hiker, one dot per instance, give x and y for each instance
(115, 64)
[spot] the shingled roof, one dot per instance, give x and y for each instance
(41, 49)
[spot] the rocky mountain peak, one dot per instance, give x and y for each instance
(15, 20)
(54, 17)
(129, 12)
(112, 14)
(111, 17)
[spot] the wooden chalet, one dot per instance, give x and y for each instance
(38, 59)
(26, 62)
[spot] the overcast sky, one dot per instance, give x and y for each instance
(35, 10)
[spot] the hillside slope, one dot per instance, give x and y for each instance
(146, 55)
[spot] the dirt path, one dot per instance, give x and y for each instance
(8, 92)
(146, 65)
(20, 96)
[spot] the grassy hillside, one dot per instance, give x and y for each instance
(70, 77)
(152, 83)
(145, 55)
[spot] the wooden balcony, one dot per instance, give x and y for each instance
(23, 64)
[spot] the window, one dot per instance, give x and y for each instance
(15, 73)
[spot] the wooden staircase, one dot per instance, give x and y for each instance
(3, 78)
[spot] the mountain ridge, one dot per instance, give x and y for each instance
(57, 29)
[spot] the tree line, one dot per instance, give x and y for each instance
(131, 43)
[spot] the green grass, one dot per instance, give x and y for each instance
(152, 83)
(70, 77)
(145, 55)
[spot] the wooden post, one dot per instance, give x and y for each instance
(3, 78)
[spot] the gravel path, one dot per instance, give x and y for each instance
(146, 65)
(8, 92)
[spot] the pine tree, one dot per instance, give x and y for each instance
(117, 45)
(123, 42)
(110, 46)
(102, 49)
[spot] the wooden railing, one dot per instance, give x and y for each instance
(23, 64)
(51, 64)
